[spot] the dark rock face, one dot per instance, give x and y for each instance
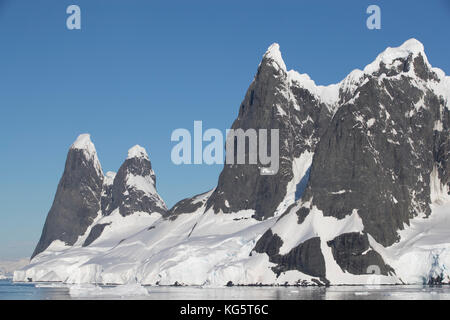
(96, 231)
(84, 193)
(441, 148)
(134, 189)
(388, 135)
(379, 151)
(106, 201)
(188, 205)
(307, 257)
(77, 200)
(272, 102)
(422, 71)
(302, 213)
(269, 243)
(353, 254)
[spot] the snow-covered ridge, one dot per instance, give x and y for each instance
(273, 53)
(413, 48)
(145, 184)
(330, 94)
(83, 142)
(137, 152)
(388, 56)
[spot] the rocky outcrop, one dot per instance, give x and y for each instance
(276, 99)
(134, 186)
(78, 197)
(132, 190)
(188, 205)
(84, 194)
(307, 257)
(353, 254)
(95, 232)
(378, 153)
(376, 157)
(107, 192)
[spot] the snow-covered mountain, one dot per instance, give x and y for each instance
(77, 199)
(363, 187)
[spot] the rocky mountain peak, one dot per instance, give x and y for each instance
(77, 199)
(84, 193)
(137, 152)
(84, 145)
(273, 57)
(83, 142)
(134, 186)
(132, 190)
(409, 59)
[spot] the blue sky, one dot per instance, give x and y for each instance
(140, 69)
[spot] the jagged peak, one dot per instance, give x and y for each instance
(137, 152)
(330, 94)
(387, 57)
(84, 143)
(413, 45)
(273, 54)
(438, 82)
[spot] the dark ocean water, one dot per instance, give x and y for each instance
(30, 291)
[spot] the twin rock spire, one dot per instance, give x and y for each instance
(84, 193)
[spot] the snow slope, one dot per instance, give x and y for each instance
(423, 252)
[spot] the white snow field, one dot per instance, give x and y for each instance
(208, 249)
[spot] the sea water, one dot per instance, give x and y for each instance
(48, 291)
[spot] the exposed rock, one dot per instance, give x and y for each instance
(96, 231)
(378, 153)
(77, 199)
(134, 186)
(188, 205)
(276, 99)
(307, 257)
(353, 254)
(107, 192)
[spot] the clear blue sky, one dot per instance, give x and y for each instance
(140, 69)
